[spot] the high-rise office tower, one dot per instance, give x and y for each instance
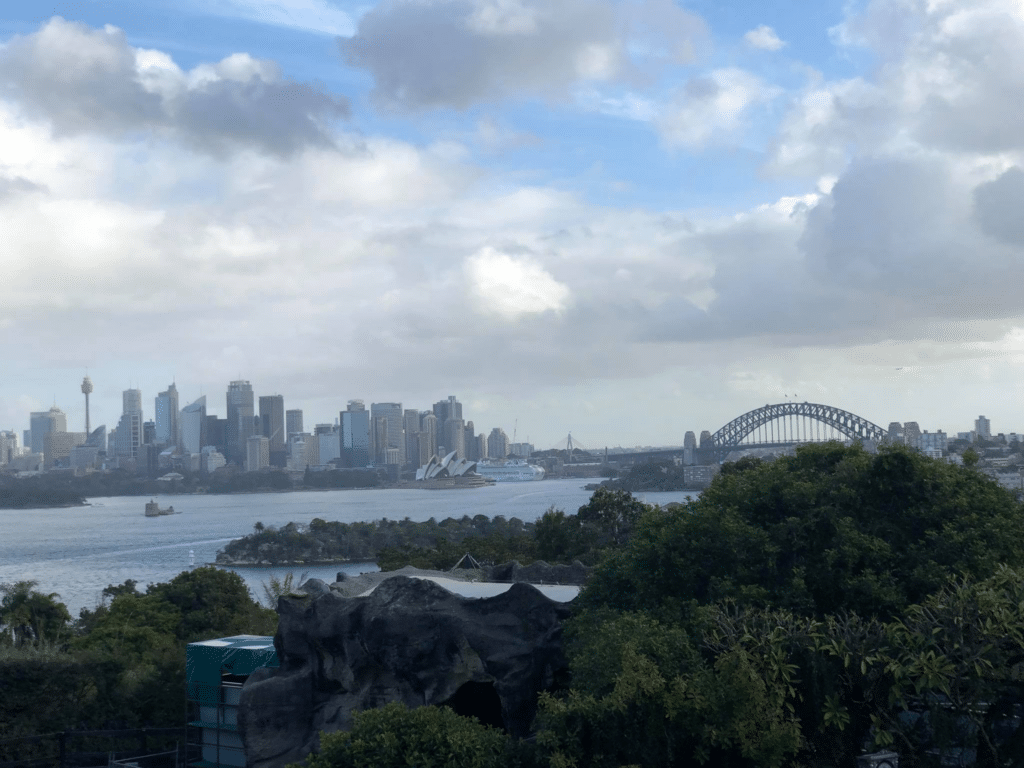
(45, 422)
(328, 443)
(355, 435)
(257, 453)
(194, 426)
(132, 399)
(167, 431)
(272, 425)
(86, 390)
(293, 421)
(378, 438)
(447, 409)
(392, 413)
(240, 421)
(429, 427)
(129, 435)
(469, 441)
(455, 437)
(895, 432)
(411, 423)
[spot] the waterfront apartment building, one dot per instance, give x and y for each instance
(497, 444)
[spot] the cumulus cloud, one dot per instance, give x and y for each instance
(712, 107)
(764, 38)
(90, 80)
(426, 54)
(949, 78)
(512, 286)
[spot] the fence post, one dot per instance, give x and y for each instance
(142, 741)
(63, 747)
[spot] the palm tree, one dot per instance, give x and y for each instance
(276, 587)
(30, 616)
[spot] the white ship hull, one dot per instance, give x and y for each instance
(510, 471)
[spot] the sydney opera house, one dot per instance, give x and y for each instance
(450, 471)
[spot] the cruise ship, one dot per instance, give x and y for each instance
(512, 470)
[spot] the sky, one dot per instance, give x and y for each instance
(622, 219)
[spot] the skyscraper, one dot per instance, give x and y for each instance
(240, 424)
(447, 409)
(193, 426)
(128, 437)
(411, 422)
(293, 421)
(257, 453)
(167, 430)
(392, 413)
(378, 438)
(272, 426)
(455, 437)
(355, 434)
(45, 422)
(428, 427)
(983, 427)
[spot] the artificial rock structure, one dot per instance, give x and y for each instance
(409, 640)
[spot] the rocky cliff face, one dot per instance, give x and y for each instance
(411, 641)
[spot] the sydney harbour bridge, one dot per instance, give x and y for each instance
(782, 425)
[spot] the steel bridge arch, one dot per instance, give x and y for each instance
(850, 424)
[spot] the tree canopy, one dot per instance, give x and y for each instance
(832, 528)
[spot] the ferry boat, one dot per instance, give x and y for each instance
(153, 510)
(512, 470)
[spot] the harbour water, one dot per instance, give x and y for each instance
(76, 552)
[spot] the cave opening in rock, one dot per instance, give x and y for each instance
(479, 700)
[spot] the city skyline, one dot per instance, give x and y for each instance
(333, 417)
(624, 219)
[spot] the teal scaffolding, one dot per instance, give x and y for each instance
(215, 673)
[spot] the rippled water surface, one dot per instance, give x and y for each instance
(77, 552)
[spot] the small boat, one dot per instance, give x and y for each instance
(154, 510)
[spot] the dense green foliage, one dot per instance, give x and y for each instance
(38, 491)
(604, 522)
(425, 737)
(121, 665)
(829, 529)
(797, 609)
